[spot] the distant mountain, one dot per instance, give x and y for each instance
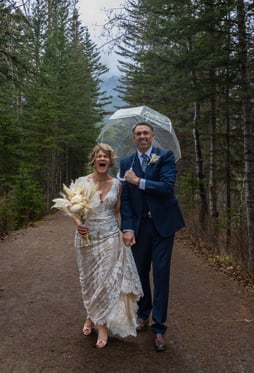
(109, 84)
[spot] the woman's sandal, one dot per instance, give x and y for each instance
(87, 330)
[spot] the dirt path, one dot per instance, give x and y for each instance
(210, 326)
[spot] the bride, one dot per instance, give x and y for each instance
(109, 280)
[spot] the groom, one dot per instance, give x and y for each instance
(150, 216)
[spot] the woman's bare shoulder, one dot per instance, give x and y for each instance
(89, 177)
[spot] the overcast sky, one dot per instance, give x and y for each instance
(92, 15)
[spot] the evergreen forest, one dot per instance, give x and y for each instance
(192, 60)
(50, 103)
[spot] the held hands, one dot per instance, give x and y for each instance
(131, 177)
(129, 238)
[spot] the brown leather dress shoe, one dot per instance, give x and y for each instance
(141, 324)
(159, 342)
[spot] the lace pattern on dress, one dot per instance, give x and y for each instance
(109, 280)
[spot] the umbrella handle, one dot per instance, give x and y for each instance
(121, 178)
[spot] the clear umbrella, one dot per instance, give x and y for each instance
(117, 130)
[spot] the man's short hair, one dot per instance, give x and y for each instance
(140, 124)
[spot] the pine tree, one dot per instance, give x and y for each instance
(181, 59)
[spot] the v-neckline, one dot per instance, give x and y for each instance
(102, 200)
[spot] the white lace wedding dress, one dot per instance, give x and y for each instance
(109, 280)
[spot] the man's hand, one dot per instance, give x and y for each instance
(129, 238)
(131, 177)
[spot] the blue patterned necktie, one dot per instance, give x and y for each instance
(144, 162)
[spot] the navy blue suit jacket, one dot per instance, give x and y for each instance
(160, 181)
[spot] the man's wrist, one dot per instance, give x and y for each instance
(142, 184)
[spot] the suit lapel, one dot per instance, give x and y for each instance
(150, 165)
(136, 163)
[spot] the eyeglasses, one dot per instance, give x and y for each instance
(140, 133)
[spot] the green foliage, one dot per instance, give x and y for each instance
(9, 137)
(188, 186)
(193, 61)
(23, 204)
(50, 102)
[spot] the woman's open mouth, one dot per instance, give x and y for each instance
(102, 164)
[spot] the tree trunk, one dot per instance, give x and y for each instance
(213, 210)
(213, 162)
(248, 127)
(199, 169)
(228, 171)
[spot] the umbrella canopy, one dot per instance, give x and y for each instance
(117, 130)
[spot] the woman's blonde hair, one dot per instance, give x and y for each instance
(107, 149)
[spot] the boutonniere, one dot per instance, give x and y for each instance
(154, 158)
